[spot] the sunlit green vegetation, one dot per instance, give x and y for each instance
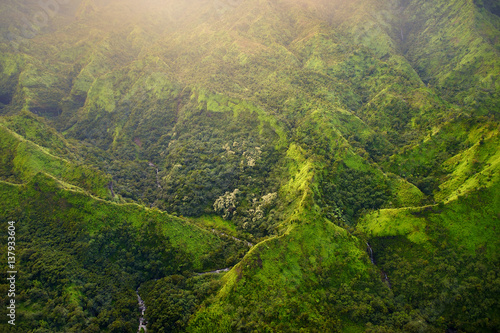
(288, 141)
(82, 258)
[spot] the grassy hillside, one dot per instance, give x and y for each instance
(355, 144)
(85, 254)
(23, 158)
(80, 259)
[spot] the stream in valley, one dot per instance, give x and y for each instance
(142, 308)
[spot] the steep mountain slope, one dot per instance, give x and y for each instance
(80, 258)
(308, 127)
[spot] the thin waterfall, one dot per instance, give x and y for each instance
(370, 252)
(142, 307)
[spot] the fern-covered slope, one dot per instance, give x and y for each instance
(311, 126)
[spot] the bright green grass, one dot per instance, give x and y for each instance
(283, 270)
(470, 220)
(36, 130)
(9, 63)
(473, 220)
(74, 294)
(479, 166)
(28, 158)
(407, 194)
(95, 214)
(394, 222)
(220, 103)
(215, 222)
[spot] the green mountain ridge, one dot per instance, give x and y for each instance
(354, 144)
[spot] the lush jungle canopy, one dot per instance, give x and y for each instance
(342, 158)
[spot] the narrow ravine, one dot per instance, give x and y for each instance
(386, 279)
(158, 178)
(110, 187)
(142, 308)
(219, 233)
(370, 252)
(216, 271)
(383, 274)
(151, 164)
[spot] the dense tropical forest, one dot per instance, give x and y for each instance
(250, 166)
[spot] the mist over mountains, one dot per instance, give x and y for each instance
(340, 158)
